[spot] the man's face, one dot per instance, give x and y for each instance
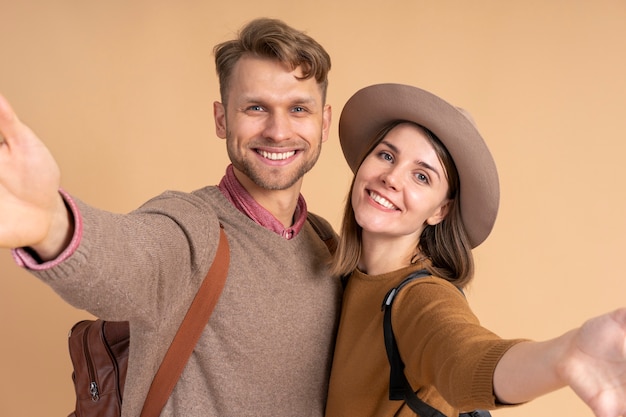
(274, 124)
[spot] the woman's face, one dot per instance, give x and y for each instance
(401, 186)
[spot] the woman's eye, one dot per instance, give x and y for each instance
(386, 156)
(421, 178)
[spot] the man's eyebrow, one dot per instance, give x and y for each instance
(304, 100)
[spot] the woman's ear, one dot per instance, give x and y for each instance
(440, 213)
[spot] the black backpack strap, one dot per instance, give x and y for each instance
(399, 386)
(476, 413)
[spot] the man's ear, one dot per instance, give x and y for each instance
(440, 213)
(219, 114)
(327, 116)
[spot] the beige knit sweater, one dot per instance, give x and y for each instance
(268, 345)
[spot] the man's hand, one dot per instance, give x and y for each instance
(32, 212)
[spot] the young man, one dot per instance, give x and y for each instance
(266, 350)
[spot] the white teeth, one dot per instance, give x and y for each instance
(277, 156)
(382, 201)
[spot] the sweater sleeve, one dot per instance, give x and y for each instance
(125, 265)
(454, 353)
(24, 258)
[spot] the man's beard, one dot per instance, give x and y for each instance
(272, 178)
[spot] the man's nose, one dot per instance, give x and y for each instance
(278, 126)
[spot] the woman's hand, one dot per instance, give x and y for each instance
(590, 359)
(595, 365)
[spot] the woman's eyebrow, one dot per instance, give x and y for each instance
(428, 167)
(417, 162)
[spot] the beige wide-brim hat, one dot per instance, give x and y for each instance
(372, 108)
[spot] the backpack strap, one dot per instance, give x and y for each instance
(197, 316)
(324, 231)
(399, 386)
(189, 331)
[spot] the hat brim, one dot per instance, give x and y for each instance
(372, 108)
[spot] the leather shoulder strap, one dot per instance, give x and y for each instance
(189, 332)
(324, 231)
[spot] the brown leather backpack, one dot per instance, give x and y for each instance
(99, 351)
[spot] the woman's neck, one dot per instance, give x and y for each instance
(380, 254)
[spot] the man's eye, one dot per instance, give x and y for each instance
(255, 108)
(298, 109)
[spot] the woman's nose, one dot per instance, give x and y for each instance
(391, 179)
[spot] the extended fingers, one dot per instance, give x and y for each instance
(619, 315)
(8, 120)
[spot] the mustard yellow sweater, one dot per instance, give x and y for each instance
(450, 358)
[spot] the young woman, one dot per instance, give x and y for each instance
(424, 194)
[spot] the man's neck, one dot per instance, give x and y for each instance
(280, 203)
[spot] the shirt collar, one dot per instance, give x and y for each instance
(243, 201)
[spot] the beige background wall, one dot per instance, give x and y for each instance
(122, 93)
